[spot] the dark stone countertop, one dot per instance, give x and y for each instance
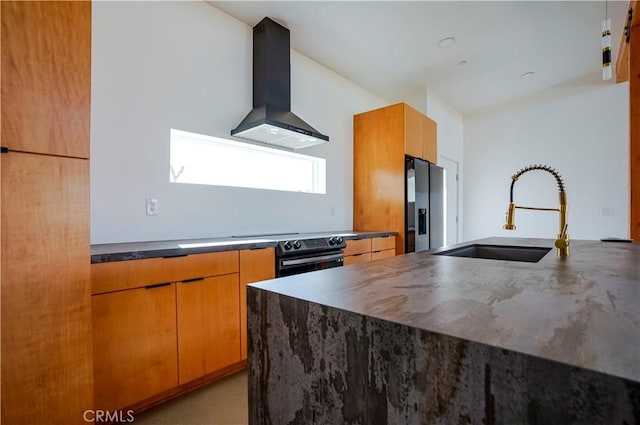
(102, 253)
(583, 310)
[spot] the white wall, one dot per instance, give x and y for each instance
(187, 65)
(450, 127)
(581, 130)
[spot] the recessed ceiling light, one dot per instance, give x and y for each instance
(527, 75)
(462, 63)
(446, 42)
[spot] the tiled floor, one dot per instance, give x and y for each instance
(222, 403)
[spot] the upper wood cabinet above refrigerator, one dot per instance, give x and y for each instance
(402, 129)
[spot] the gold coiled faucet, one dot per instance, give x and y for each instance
(562, 241)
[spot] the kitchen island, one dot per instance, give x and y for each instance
(433, 339)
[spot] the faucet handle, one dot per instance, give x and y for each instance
(563, 234)
(561, 243)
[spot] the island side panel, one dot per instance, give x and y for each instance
(301, 357)
(309, 363)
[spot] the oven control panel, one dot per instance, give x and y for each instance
(310, 245)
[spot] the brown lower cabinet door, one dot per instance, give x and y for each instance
(255, 265)
(379, 255)
(357, 259)
(208, 325)
(134, 334)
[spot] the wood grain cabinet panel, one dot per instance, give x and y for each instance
(383, 243)
(208, 317)
(369, 249)
(383, 247)
(420, 134)
(46, 76)
(357, 258)
(118, 275)
(381, 138)
(357, 246)
(134, 345)
(255, 265)
(45, 294)
(379, 255)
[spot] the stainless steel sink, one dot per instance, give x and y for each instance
(531, 254)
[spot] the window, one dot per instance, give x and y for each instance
(201, 159)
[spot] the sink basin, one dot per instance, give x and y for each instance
(531, 254)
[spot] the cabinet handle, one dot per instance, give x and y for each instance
(174, 256)
(195, 279)
(158, 285)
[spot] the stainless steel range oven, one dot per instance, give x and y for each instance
(307, 255)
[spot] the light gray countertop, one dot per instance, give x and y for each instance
(101, 253)
(583, 310)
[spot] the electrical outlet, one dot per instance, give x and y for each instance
(152, 206)
(606, 212)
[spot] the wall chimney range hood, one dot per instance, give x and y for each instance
(271, 120)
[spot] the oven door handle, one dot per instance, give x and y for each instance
(310, 260)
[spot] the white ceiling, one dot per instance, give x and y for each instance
(391, 47)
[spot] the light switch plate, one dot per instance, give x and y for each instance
(152, 206)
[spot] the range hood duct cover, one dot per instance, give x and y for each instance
(271, 120)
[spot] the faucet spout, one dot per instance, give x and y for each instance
(562, 240)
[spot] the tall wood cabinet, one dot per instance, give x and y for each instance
(381, 139)
(45, 76)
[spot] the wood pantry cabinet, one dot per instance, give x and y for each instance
(381, 139)
(369, 249)
(164, 325)
(45, 85)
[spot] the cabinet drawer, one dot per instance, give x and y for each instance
(379, 255)
(357, 259)
(357, 246)
(382, 243)
(118, 275)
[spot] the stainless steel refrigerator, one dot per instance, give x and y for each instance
(424, 205)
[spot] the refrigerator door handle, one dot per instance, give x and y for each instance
(422, 221)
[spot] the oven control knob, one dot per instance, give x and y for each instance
(287, 246)
(297, 244)
(332, 241)
(339, 240)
